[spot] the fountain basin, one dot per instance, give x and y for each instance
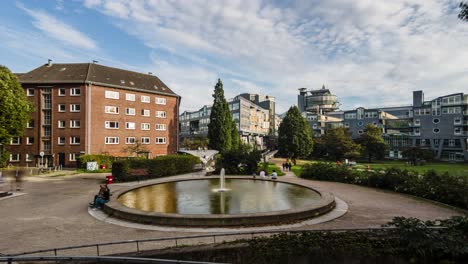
(193, 202)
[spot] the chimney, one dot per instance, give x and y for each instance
(418, 98)
(49, 62)
(150, 73)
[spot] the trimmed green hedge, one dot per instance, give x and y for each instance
(100, 159)
(443, 188)
(142, 169)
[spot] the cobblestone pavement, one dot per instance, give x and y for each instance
(53, 212)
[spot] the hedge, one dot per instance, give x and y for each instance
(141, 169)
(443, 188)
(100, 159)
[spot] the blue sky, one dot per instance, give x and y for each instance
(369, 53)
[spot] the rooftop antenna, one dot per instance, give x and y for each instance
(150, 73)
(95, 61)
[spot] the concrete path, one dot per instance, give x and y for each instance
(54, 212)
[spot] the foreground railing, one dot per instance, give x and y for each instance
(80, 259)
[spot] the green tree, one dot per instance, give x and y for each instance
(15, 109)
(417, 153)
(294, 136)
(372, 142)
(219, 128)
(463, 12)
(337, 144)
(235, 138)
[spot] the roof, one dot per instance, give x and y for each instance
(95, 74)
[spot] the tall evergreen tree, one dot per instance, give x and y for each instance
(235, 138)
(219, 128)
(294, 136)
(372, 142)
(463, 15)
(15, 108)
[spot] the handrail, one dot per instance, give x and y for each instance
(102, 259)
(176, 238)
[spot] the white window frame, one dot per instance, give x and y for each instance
(29, 157)
(15, 141)
(145, 99)
(115, 140)
(145, 112)
(160, 140)
(112, 95)
(29, 93)
(61, 140)
(28, 142)
(160, 100)
(130, 125)
(130, 140)
(161, 114)
(72, 157)
(73, 108)
(61, 124)
(62, 110)
(111, 109)
(108, 124)
(145, 126)
(17, 157)
(130, 97)
(28, 125)
(73, 140)
(73, 123)
(161, 127)
(145, 140)
(60, 90)
(75, 91)
(130, 111)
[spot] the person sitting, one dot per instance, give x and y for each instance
(102, 197)
(274, 175)
(262, 174)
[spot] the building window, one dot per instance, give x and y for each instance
(46, 145)
(436, 142)
(75, 123)
(457, 120)
(112, 140)
(61, 124)
(61, 140)
(145, 99)
(145, 126)
(15, 141)
(75, 108)
(75, 91)
(111, 110)
(72, 157)
(145, 112)
(436, 130)
(145, 140)
(30, 124)
(130, 140)
(130, 125)
(62, 92)
(360, 132)
(160, 140)
(451, 143)
(130, 111)
(346, 124)
(360, 123)
(130, 97)
(111, 124)
(436, 120)
(61, 108)
(14, 157)
(160, 126)
(112, 95)
(417, 131)
(29, 140)
(30, 91)
(74, 140)
(29, 157)
(161, 114)
(417, 122)
(160, 101)
(457, 131)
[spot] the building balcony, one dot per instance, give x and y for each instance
(461, 134)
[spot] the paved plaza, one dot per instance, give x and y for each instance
(53, 212)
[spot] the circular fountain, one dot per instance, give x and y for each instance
(219, 201)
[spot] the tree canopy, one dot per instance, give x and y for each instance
(463, 15)
(220, 131)
(337, 144)
(294, 136)
(372, 142)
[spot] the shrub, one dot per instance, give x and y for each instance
(158, 167)
(443, 188)
(241, 161)
(100, 159)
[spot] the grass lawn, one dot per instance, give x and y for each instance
(439, 167)
(270, 168)
(297, 169)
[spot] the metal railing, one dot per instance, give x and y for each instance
(78, 259)
(175, 241)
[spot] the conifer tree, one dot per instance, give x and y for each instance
(294, 136)
(219, 128)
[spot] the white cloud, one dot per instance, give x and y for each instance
(374, 52)
(59, 30)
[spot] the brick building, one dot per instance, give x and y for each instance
(86, 108)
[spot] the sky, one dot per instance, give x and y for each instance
(368, 53)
